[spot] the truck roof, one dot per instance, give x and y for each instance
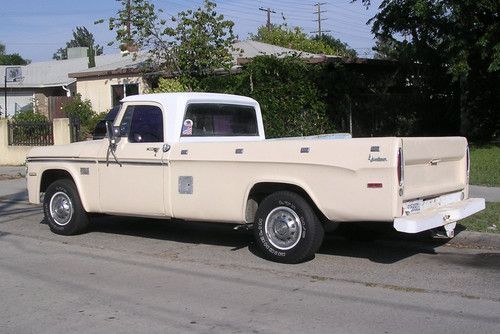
(174, 105)
(167, 98)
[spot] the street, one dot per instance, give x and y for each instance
(132, 275)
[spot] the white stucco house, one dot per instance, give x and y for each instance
(41, 81)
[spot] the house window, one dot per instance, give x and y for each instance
(120, 91)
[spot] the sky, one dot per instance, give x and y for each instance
(37, 28)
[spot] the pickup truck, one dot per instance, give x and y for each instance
(204, 157)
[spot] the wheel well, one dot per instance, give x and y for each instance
(51, 175)
(260, 190)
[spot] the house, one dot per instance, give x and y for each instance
(105, 85)
(43, 84)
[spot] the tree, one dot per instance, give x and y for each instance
(198, 43)
(80, 109)
(457, 43)
(297, 39)
(202, 41)
(81, 38)
(342, 49)
(11, 59)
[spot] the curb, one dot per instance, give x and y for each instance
(385, 235)
(466, 239)
(463, 239)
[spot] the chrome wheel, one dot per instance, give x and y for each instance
(283, 228)
(61, 208)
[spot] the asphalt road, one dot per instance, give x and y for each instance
(147, 276)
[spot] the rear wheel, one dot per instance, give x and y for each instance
(63, 209)
(286, 228)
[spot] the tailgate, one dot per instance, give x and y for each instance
(434, 165)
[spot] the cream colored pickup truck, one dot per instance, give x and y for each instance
(195, 156)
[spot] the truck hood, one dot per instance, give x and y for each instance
(87, 149)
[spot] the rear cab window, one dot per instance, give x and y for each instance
(219, 120)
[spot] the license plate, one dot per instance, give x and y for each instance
(413, 206)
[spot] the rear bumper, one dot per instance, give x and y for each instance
(439, 217)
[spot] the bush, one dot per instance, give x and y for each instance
(28, 116)
(168, 85)
(78, 109)
(291, 101)
(30, 128)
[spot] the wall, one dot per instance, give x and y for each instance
(16, 155)
(98, 90)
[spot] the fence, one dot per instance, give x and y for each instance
(30, 133)
(74, 129)
(55, 104)
(16, 140)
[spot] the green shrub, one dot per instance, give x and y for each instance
(30, 127)
(29, 116)
(168, 85)
(287, 90)
(78, 109)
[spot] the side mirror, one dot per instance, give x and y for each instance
(109, 133)
(112, 132)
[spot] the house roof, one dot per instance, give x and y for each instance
(251, 49)
(242, 50)
(54, 73)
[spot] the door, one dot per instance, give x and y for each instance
(135, 183)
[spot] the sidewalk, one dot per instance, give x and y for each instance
(490, 194)
(13, 170)
(13, 183)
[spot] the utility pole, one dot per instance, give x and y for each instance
(5, 93)
(319, 19)
(269, 11)
(129, 45)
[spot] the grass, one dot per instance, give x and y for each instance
(485, 165)
(487, 220)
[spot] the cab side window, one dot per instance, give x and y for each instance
(142, 124)
(218, 119)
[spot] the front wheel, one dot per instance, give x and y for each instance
(63, 209)
(286, 228)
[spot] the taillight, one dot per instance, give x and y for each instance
(400, 170)
(467, 154)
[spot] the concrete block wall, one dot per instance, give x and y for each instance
(16, 155)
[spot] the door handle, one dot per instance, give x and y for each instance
(154, 149)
